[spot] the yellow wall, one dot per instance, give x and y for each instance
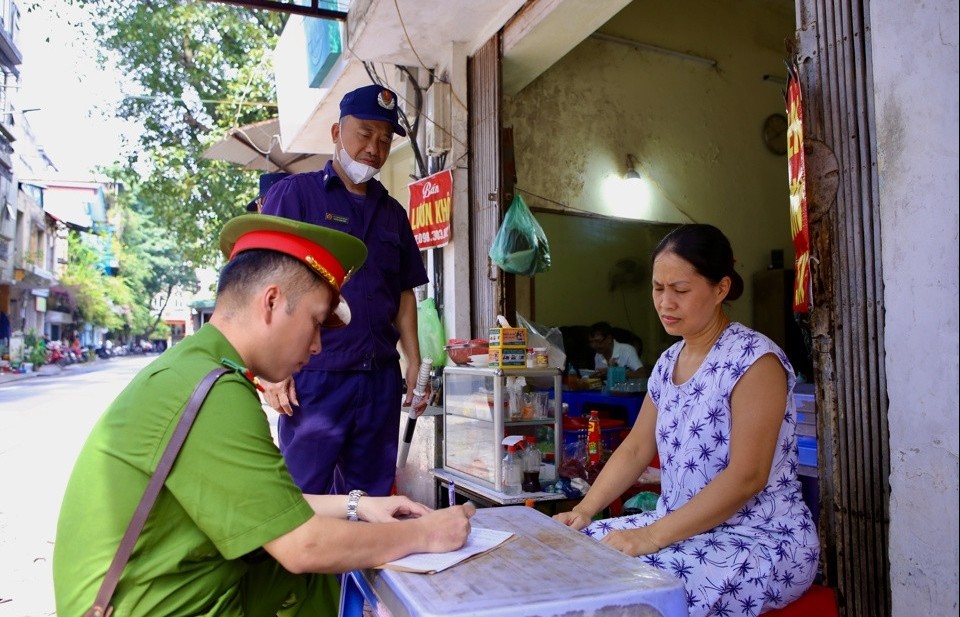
(395, 174)
(578, 287)
(695, 129)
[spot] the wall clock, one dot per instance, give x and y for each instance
(775, 133)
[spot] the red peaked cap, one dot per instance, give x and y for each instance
(331, 254)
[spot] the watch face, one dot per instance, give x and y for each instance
(775, 133)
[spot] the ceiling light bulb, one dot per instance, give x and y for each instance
(632, 173)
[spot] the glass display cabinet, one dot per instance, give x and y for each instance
(484, 405)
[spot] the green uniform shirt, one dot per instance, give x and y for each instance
(228, 493)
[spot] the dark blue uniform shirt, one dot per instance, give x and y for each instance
(373, 292)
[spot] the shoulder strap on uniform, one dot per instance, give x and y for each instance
(101, 605)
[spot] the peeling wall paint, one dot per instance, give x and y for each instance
(916, 110)
(695, 131)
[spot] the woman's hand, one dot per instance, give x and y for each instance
(574, 519)
(389, 509)
(282, 396)
(632, 542)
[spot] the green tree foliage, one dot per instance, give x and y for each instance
(92, 289)
(201, 68)
(151, 263)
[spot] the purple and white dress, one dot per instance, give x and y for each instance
(765, 555)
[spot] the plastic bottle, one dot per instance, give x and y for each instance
(594, 443)
(581, 449)
(531, 465)
(511, 472)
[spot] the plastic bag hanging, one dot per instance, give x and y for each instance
(430, 332)
(520, 246)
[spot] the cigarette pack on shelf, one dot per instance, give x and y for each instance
(508, 357)
(508, 337)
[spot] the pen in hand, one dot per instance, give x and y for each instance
(451, 494)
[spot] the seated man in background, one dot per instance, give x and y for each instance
(230, 533)
(610, 352)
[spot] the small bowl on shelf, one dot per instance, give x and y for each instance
(460, 352)
(480, 359)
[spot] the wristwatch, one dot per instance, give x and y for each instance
(353, 499)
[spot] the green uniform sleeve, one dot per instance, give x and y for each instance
(230, 477)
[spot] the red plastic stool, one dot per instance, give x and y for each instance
(818, 601)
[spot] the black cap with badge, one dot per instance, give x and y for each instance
(373, 102)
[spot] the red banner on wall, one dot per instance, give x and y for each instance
(797, 175)
(430, 206)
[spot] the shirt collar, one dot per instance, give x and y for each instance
(375, 188)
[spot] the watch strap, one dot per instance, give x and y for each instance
(353, 500)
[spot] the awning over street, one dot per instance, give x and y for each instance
(257, 146)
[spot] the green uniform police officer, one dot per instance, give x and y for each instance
(230, 533)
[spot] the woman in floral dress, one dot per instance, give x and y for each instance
(730, 521)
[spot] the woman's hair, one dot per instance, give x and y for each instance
(706, 249)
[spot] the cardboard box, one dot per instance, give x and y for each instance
(508, 357)
(508, 337)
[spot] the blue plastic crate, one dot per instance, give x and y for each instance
(806, 424)
(807, 450)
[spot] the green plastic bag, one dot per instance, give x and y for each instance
(430, 333)
(644, 501)
(520, 246)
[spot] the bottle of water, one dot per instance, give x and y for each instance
(512, 474)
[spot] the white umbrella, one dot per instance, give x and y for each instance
(257, 146)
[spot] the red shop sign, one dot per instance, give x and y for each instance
(797, 174)
(430, 207)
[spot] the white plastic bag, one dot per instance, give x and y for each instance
(549, 338)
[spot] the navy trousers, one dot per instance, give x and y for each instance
(345, 433)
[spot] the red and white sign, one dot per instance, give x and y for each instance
(430, 207)
(797, 175)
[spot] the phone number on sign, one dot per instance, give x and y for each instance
(435, 235)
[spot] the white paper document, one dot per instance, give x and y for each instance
(479, 541)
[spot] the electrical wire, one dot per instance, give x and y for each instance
(406, 35)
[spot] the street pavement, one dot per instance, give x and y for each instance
(44, 420)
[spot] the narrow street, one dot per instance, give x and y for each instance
(43, 423)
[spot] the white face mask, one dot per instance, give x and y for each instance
(357, 172)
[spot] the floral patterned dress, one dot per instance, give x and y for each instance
(764, 556)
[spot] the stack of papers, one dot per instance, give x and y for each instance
(478, 542)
